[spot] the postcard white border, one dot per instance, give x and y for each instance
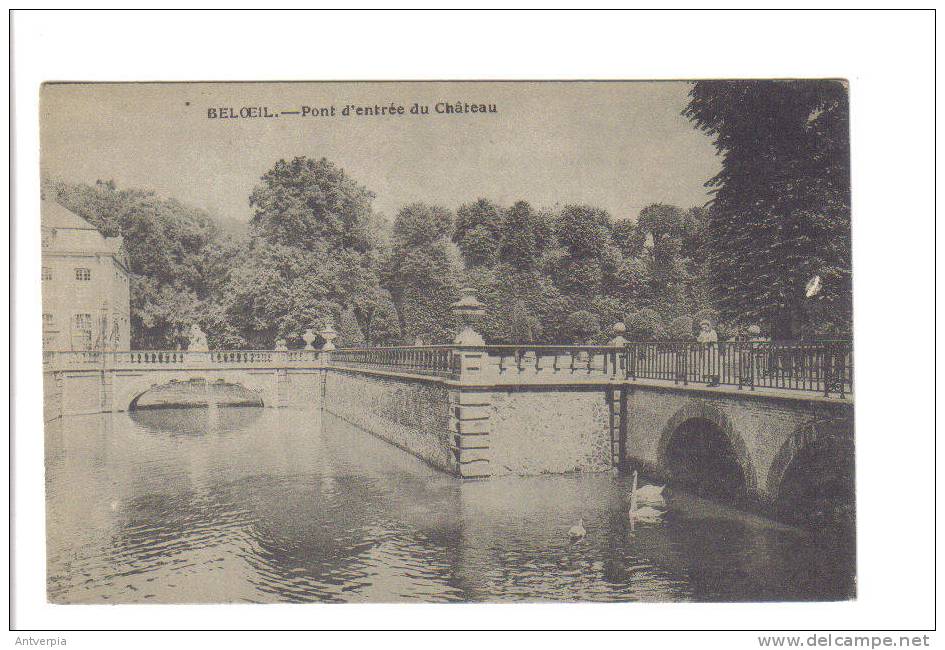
(888, 59)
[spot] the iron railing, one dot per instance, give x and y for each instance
(434, 360)
(823, 366)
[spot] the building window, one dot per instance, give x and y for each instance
(83, 274)
(47, 321)
(47, 273)
(82, 322)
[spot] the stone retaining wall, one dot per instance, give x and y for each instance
(410, 413)
(550, 432)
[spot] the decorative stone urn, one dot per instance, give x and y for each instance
(329, 334)
(308, 336)
(281, 345)
(468, 310)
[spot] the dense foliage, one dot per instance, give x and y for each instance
(781, 208)
(179, 259)
(316, 250)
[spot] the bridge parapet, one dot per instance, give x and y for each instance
(181, 360)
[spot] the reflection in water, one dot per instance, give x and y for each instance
(265, 505)
(196, 421)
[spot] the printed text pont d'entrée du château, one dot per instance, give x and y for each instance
(351, 110)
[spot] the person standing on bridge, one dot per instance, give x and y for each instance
(710, 351)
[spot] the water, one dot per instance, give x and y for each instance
(265, 505)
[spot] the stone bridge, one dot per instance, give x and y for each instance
(77, 383)
(742, 429)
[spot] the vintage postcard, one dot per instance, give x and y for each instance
(448, 341)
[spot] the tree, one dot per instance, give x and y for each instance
(277, 291)
(524, 236)
(421, 273)
(662, 224)
(628, 238)
(673, 257)
(524, 326)
(382, 325)
(583, 230)
(478, 231)
(306, 201)
(312, 254)
(349, 332)
(631, 283)
(780, 212)
(585, 234)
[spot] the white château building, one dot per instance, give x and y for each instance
(86, 296)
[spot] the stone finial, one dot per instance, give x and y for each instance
(467, 311)
(309, 337)
(281, 345)
(329, 334)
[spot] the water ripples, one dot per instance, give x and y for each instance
(262, 505)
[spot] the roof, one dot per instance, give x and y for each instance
(75, 238)
(56, 216)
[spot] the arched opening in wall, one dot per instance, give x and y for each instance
(198, 393)
(818, 487)
(700, 458)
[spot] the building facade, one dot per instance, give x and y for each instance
(86, 293)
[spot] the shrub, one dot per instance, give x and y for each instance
(645, 325)
(582, 326)
(681, 328)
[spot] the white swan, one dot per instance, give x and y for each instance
(647, 514)
(577, 531)
(647, 494)
(651, 494)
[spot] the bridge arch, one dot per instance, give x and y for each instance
(699, 437)
(127, 390)
(814, 469)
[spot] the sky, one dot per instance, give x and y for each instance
(615, 145)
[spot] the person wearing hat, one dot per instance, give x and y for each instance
(618, 341)
(710, 353)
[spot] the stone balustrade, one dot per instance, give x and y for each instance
(183, 360)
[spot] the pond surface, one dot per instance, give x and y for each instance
(266, 505)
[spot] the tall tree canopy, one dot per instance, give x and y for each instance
(316, 250)
(307, 201)
(478, 232)
(422, 273)
(780, 213)
(311, 256)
